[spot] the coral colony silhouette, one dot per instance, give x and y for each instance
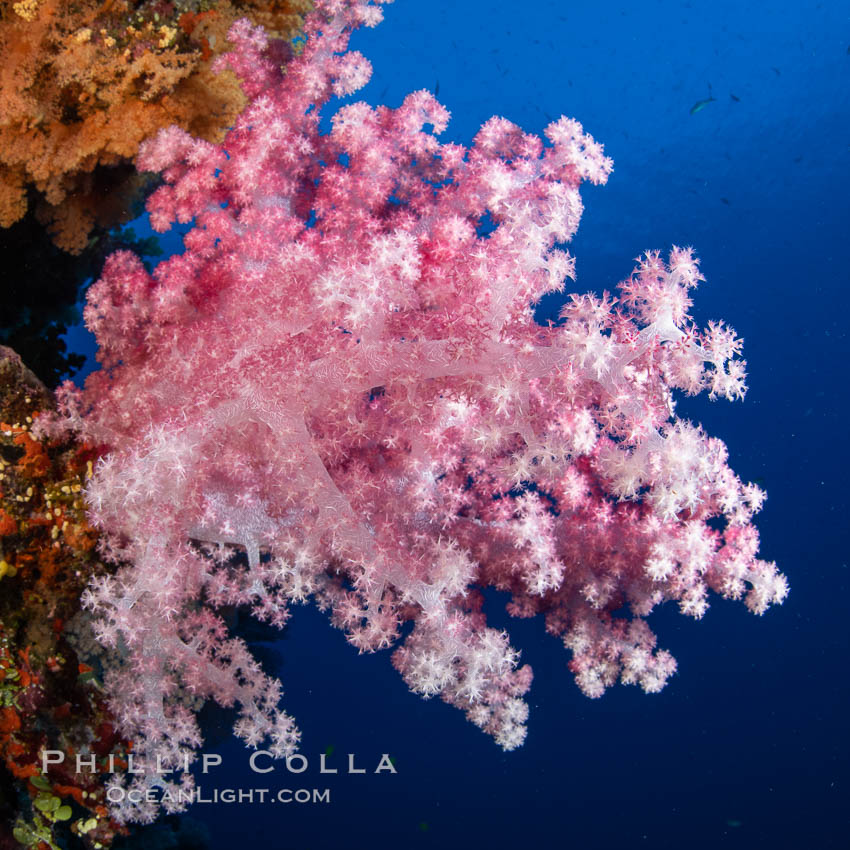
(338, 393)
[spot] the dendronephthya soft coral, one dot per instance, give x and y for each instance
(338, 393)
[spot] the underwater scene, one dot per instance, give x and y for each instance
(413, 424)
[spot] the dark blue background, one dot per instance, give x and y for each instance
(747, 746)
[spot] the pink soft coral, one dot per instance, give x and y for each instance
(338, 392)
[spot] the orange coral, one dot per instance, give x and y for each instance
(83, 83)
(7, 524)
(49, 699)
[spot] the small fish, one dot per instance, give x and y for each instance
(725, 201)
(735, 97)
(701, 104)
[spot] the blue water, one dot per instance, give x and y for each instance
(747, 747)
